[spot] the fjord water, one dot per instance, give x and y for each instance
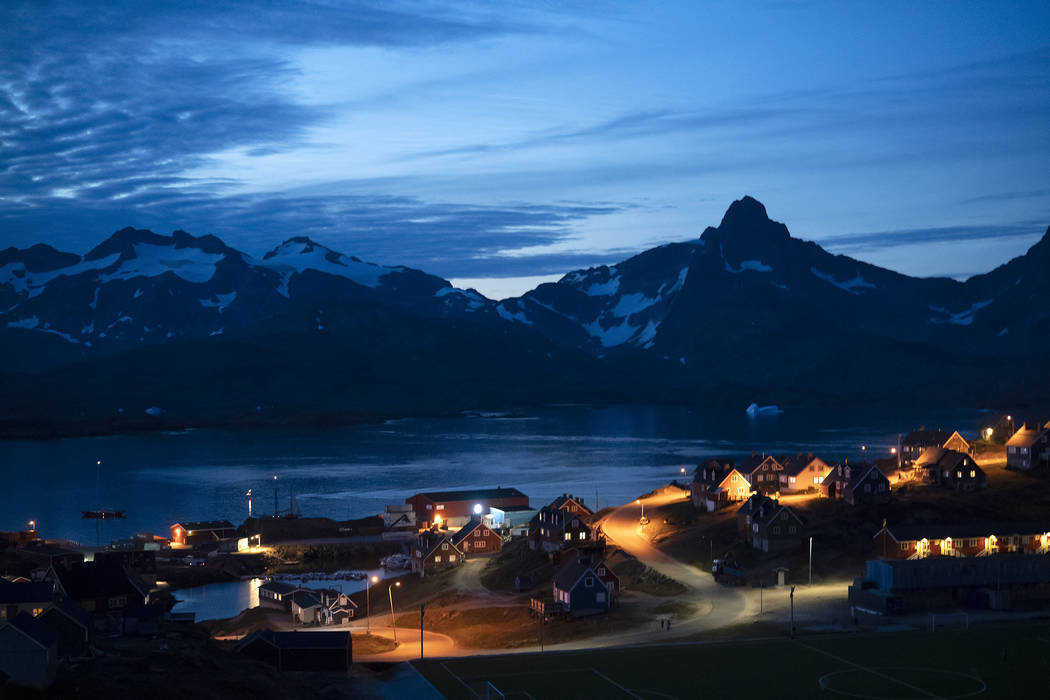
(618, 451)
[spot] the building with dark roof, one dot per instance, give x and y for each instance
(24, 597)
(1028, 447)
(189, 533)
(276, 594)
(435, 550)
(112, 595)
(455, 508)
(717, 483)
(579, 588)
(857, 484)
(321, 651)
(71, 625)
(943, 467)
(913, 444)
(28, 652)
(477, 538)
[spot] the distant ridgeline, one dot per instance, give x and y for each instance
(198, 333)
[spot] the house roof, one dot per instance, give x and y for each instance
(922, 436)
(1025, 437)
(473, 495)
(754, 503)
(571, 573)
(34, 629)
(431, 540)
(279, 587)
(69, 609)
(91, 579)
(305, 599)
(944, 459)
(465, 531)
(793, 466)
(15, 593)
(771, 514)
(327, 639)
(939, 531)
(194, 525)
(563, 499)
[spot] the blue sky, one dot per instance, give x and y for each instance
(504, 143)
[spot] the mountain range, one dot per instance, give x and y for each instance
(148, 331)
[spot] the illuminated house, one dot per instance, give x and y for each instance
(434, 551)
(277, 594)
(571, 504)
(554, 529)
(455, 508)
(762, 472)
(859, 484)
(477, 538)
(198, 532)
(1028, 447)
(717, 484)
(962, 540)
(579, 590)
(803, 473)
(916, 442)
(32, 598)
(943, 467)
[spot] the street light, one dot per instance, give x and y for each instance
(390, 594)
(368, 602)
(639, 501)
(988, 433)
(275, 495)
(32, 526)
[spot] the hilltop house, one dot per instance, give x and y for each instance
(189, 533)
(1028, 447)
(456, 508)
(963, 539)
(762, 472)
(859, 484)
(572, 504)
(745, 514)
(477, 538)
(803, 473)
(915, 443)
(768, 525)
(716, 484)
(554, 529)
(943, 467)
(578, 589)
(434, 551)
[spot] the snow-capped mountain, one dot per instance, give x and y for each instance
(749, 282)
(139, 287)
(208, 335)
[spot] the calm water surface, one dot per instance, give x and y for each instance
(620, 452)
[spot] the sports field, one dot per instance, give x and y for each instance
(986, 662)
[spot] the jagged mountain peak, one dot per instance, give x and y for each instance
(746, 222)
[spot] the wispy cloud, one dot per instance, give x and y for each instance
(855, 242)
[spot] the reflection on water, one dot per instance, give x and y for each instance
(221, 600)
(618, 452)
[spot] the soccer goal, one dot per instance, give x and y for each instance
(957, 620)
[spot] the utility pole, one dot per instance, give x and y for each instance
(393, 622)
(275, 495)
(811, 560)
(421, 610)
(792, 612)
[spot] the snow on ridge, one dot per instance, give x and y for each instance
(26, 323)
(752, 265)
(963, 318)
(221, 301)
(597, 289)
(506, 315)
(23, 280)
(33, 324)
(474, 300)
(677, 284)
(191, 264)
(852, 286)
(293, 258)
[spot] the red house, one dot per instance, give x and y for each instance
(191, 533)
(477, 538)
(452, 508)
(961, 539)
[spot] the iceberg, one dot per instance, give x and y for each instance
(756, 410)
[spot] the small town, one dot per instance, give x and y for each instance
(945, 530)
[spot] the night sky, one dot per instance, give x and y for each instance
(523, 140)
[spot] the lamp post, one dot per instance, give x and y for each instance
(32, 526)
(811, 560)
(368, 603)
(390, 594)
(792, 612)
(639, 501)
(275, 495)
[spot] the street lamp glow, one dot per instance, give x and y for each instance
(477, 509)
(988, 433)
(893, 450)
(32, 525)
(375, 579)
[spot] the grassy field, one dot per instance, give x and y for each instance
(987, 662)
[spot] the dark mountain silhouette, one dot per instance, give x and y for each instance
(745, 312)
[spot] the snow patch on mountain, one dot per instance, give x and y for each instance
(752, 265)
(853, 286)
(507, 315)
(963, 318)
(219, 301)
(474, 300)
(23, 280)
(298, 255)
(191, 264)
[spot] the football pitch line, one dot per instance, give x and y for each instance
(492, 678)
(872, 671)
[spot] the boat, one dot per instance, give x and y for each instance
(102, 514)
